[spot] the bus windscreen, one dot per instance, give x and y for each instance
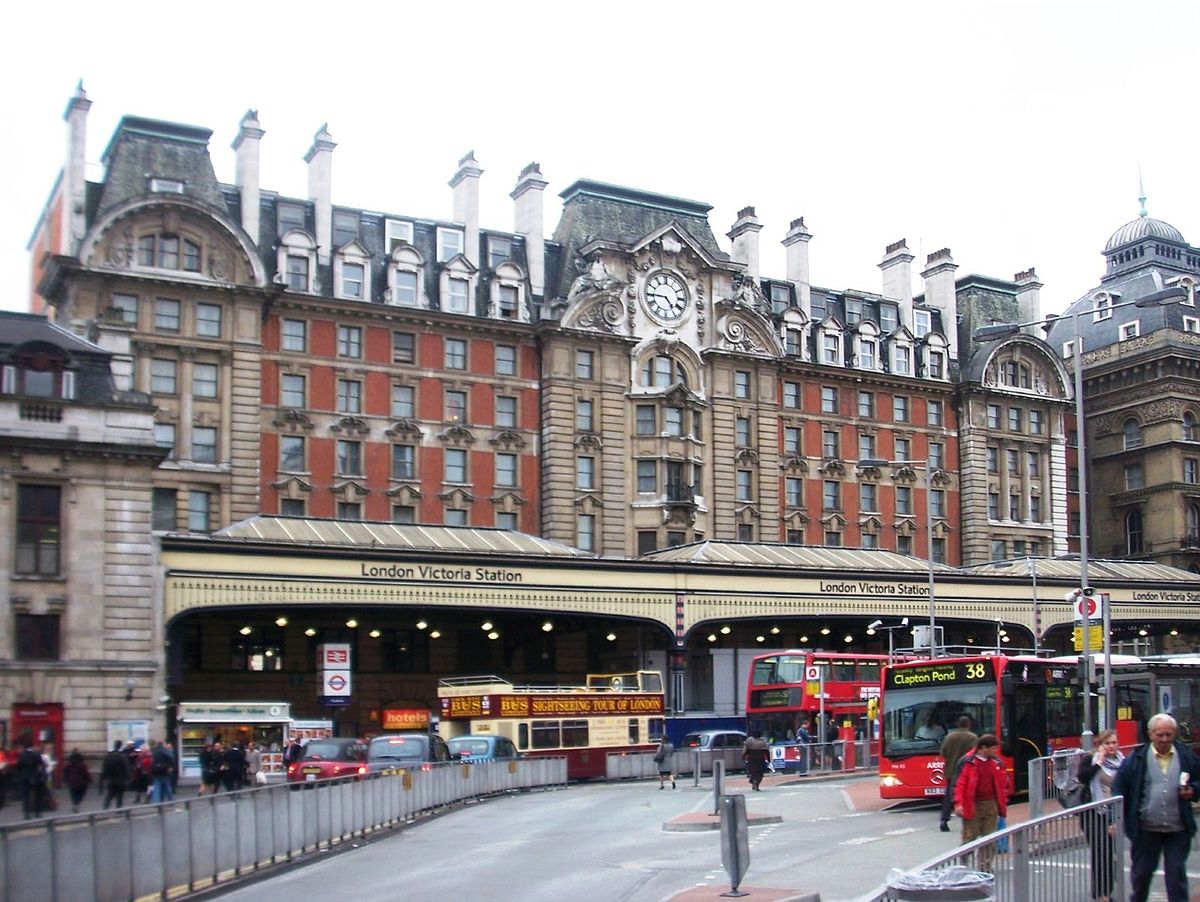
(922, 704)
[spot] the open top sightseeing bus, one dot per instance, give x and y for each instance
(611, 712)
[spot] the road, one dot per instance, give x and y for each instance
(617, 842)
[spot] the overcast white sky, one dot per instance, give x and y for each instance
(1009, 132)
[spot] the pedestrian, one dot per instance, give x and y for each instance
(1158, 809)
(253, 764)
(755, 753)
(139, 783)
(115, 774)
(294, 751)
(981, 795)
(162, 765)
(233, 767)
(664, 757)
(31, 778)
(77, 777)
(210, 768)
(1096, 773)
(957, 743)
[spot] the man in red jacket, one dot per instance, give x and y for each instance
(981, 795)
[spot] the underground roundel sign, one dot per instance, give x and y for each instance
(336, 682)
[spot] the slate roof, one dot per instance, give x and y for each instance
(143, 148)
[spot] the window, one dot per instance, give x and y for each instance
(791, 394)
(349, 396)
(163, 376)
(1035, 508)
(889, 318)
(583, 365)
(1073, 479)
(36, 637)
(208, 320)
(584, 420)
(405, 290)
(781, 297)
(647, 541)
(456, 407)
(868, 496)
(1191, 470)
(1033, 464)
(829, 444)
(397, 232)
(791, 439)
(831, 495)
(349, 341)
(199, 504)
(294, 335)
(166, 315)
(647, 419)
(1013, 458)
(993, 459)
(1133, 476)
(506, 469)
(506, 360)
(904, 544)
(1014, 507)
(349, 510)
(866, 404)
(352, 280)
(291, 390)
(792, 339)
(449, 244)
(904, 500)
(585, 472)
(902, 361)
(793, 491)
(829, 399)
(499, 250)
(1101, 309)
(993, 502)
(853, 307)
(745, 485)
(585, 532)
(1189, 427)
(868, 354)
(937, 500)
(507, 301)
(164, 437)
(1191, 324)
(999, 550)
(455, 354)
(903, 449)
(922, 320)
(163, 514)
(507, 520)
(291, 507)
(661, 372)
(1014, 419)
(900, 409)
(938, 552)
(937, 456)
(647, 476)
(288, 217)
(457, 301)
(866, 446)
(506, 411)
(345, 228)
(405, 513)
(404, 402)
(404, 347)
(456, 465)
(291, 453)
(870, 540)
(404, 462)
(833, 539)
(795, 537)
(741, 384)
(204, 380)
(1035, 422)
(1133, 532)
(39, 530)
(742, 431)
(1131, 432)
(349, 458)
(1192, 523)
(993, 416)
(204, 444)
(937, 365)
(831, 348)
(259, 650)
(455, 517)
(297, 272)
(126, 307)
(933, 412)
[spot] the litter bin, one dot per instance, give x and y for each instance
(952, 884)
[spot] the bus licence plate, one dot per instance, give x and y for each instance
(935, 790)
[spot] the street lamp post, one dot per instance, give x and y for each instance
(1000, 330)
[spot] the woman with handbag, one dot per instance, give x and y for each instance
(1096, 773)
(663, 758)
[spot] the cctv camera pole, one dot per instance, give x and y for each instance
(1084, 591)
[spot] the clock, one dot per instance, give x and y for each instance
(665, 296)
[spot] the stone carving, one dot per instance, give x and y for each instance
(507, 439)
(403, 427)
(120, 249)
(605, 315)
(351, 426)
(593, 277)
(671, 245)
(736, 336)
(219, 266)
(293, 421)
(457, 435)
(746, 293)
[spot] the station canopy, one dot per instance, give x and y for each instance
(802, 557)
(1067, 567)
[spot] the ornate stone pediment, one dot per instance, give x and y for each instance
(747, 513)
(403, 427)
(350, 490)
(832, 467)
(834, 521)
(405, 492)
(350, 426)
(589, 441)
(795, 464)
(292, 488)
(606, 314)
(293, 421)
(457, 496)
(507, 501)
(457, 434)
(507, 440)
(746, 456)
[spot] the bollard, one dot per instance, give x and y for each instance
(846, 735)
(735, 841)
(695, 767)
(718, 786)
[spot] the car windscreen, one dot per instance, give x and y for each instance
(468, 747)
(329, 751)
(405, 747)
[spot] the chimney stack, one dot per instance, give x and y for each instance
(939, 292)
(246, 172)
(744, 236)
(796, 243)
(72, 223)
(527, 221)
(466, 203)
(897, 277)
(320, 178)
(1029, 299)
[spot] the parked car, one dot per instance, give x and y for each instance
(325, 759)
(474, 749)
(396, 751)
(712, 740)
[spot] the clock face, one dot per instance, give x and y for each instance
(666, 296)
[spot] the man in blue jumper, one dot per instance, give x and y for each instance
(1158, 781)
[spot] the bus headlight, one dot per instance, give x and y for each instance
(889, 780)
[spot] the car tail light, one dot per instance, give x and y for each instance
(292, 767)
(362, 770)
(427, 766)
(337, 769)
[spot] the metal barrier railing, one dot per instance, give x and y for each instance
(176, 848)
(1067, 855)
(810, 758)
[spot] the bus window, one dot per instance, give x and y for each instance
(657, 727)
(546, 734)
(841, 671)
(868, 671)
(523, 736)
(634, 733)
(1064, 712)
(915, 719)
(574, 734)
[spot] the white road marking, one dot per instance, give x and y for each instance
(859, 840)
(901, 832)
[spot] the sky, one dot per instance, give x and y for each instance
(1011, 133)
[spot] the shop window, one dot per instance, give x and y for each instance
(256, 648)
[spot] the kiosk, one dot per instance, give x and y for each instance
(200, 723)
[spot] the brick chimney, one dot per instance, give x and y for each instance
(72, 222)
(939, 292)
(897, 277)
(744, 236)
(527, 221)
(1029, 299)
(246, 172)
(796, 244)
(466, 203)
(320, 187)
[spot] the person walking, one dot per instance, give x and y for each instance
(253, 763)
(210, 767)
(31, 777)
(162, 767)
(756, 753)
(1157, 781)
(233, 768)
(115, 774)
(957, 743)
(1097, 772)
(143, 766)
(77, 777)
(981, 795)
(664, 758)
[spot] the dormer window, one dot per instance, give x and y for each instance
(831, 348)
(166, 186)
(405, 290)
(404, 276)
(296, 261)
(352, 280)
(506, 302)
(661, 372)
(458, 296)
(1101, 308)
(449, 244)
(499, 250)
(889, 318)
(1129, 330)
(345, 228)
(166, 251)
(396, 233)
(937, 365)
(289, 217)
(853, 311)
(38, 374)
(902, 360)
(781, 298)
(297, 273)
(922, 322)
(793, 342)
(868, 353)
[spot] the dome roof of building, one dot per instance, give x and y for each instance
(1143, 227)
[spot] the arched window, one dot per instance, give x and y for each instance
(1133, 532)
(1192, 528)
(661, 372)
(1189, 427)
(1132, 432)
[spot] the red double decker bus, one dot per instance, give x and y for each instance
(788, 689)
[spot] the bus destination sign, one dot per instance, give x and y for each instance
(945, 673)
